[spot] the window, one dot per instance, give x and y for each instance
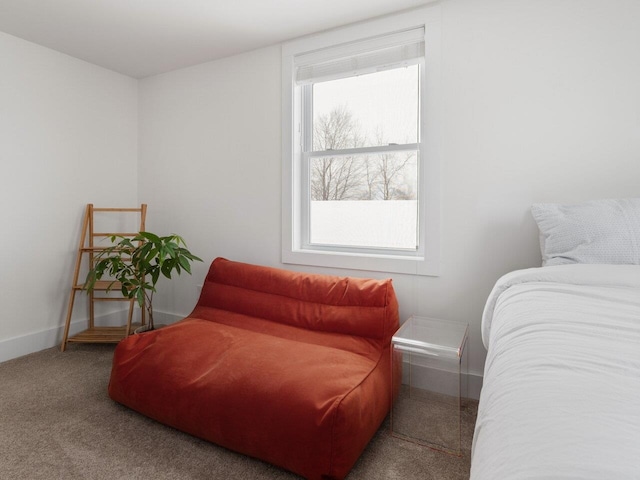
(360, 185)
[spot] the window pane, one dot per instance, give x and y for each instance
(365, 200)
(368, 110)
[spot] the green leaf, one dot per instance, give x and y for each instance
(133, 260)
(184, 263)
(170, 248)
(140, 296)
(152, 237)
(166, 268)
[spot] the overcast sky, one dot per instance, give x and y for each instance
(386, 100)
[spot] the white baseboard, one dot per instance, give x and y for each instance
(474, 385)
(442, 380)
(42, 339)
(164, 318)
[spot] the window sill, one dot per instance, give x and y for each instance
(406, 264)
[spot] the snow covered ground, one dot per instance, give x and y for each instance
(366, 223)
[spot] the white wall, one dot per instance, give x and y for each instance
(541, 104)
(209, 163)
(68, 137)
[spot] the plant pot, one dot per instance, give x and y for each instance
(142, 329)
(146, 328)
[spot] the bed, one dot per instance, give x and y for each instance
(561, 390)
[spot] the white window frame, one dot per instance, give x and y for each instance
(424, 261)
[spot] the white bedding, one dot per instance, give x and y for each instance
(561, 391)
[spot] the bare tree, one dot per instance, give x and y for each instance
(336, 130)
(335, 178)
(370, 178)
(391, 168)
(384, 176)
(387, 175)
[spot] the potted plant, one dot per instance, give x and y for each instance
(136, 263)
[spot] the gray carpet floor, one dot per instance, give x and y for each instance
(57, 422)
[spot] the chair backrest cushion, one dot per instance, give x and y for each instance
(348, 305)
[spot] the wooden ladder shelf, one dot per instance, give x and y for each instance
(88, 248)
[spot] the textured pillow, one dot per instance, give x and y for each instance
(600, 231)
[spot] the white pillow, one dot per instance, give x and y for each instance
(600, 231)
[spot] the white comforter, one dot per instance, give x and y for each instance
(561, 392)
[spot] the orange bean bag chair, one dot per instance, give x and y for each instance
(290, 368)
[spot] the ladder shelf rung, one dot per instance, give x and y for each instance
(115, 234)
(102, 334)
(113, 209)
(113, 299)
(101, 286)
(95, 248)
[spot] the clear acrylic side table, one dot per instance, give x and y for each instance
(427, 356)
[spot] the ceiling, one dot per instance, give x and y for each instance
(146, 37)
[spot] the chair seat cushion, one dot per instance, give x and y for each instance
(286, 395)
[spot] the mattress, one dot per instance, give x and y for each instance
(561, 391)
